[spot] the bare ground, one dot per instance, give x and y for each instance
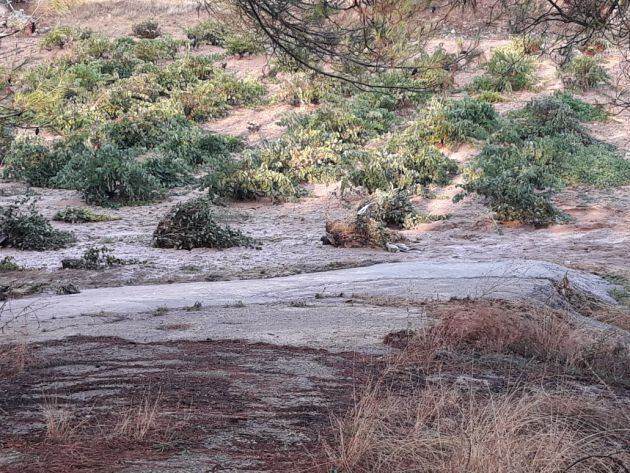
(223, 406)
(238, 406)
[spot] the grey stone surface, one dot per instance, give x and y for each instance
(344, 309)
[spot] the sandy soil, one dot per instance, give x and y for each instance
(288, 237)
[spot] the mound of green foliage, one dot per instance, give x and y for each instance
(62, 36)
(81, 215)
(22, 227)
(113, 173)
(453, 122)
(329, 145)
(207, 32)
(114, 176)
(31, 161)
(147, 29)
(302, 88)
(584, 72)
(95, 258)
(252, 179)
(395, 209)
(412, 166)
(115, 89)
(509, 69)
(515, 186)
(193, 224)
(8, 263)
(538, 150)
(318, 147)
(242, 44)
(216, 33)
(585, 111)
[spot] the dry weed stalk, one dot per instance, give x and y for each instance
(16, 358)
(444, 428)
(61, 426)
(443, 425)
(135, 423)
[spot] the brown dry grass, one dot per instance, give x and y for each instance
(61, 426)
(444, 428)
(528, 331)
(14, 359)
(138, 423)
(501, 390)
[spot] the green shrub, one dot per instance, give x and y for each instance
(193, 224)
(433, 71)
(321, 146)
(121, 65)
(187, 71)
(81, 215)
(583, 110)
(207, 32)
(22, 227)
(451, 122)
(145, 127)
(339, 123)
(197, 147)
(169, 170)
(598, 166)
(374, 111)
(113, 177)
(584, 72)
(251, 183)
(8, 264)
(304, 89)
(213, 99)
(95, 258)
(539, 149)
(94, 47)
(243, 43)
(489, 96)
(62, 36)
(508, 70)
(147, 29)
(575, 162)
(414, 167)
(31, 161)
(515, 187)
(154, 50)
(395, 208)
(545, 116)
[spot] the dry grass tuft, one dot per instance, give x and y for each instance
(527, 331)
(136, 423)
(14, 359)
(144, 422)
(61, 426)
(470, 411)
(447, 429)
